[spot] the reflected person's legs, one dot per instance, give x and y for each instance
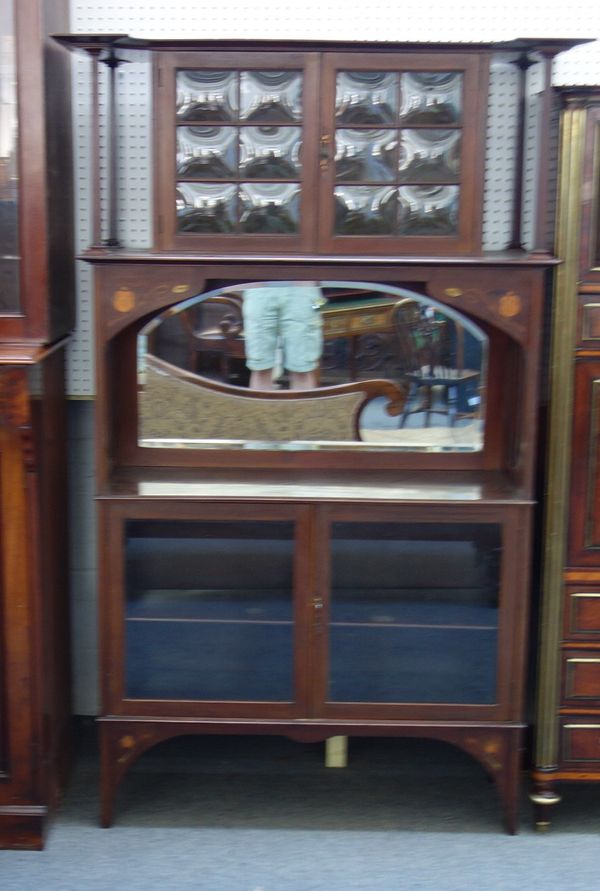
(261, 329)
(304, 380)
(262, 380)
(302, 334)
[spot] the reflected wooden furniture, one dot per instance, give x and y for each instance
(177, 405)
(218, 333)
(36, 313)
(568, 684)
(431, 351)
(276, 590)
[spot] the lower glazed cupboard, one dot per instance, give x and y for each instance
(310, 621)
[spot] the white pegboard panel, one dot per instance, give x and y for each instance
(500, 154)
(80, 353)
(438, 20)
(134, 130)
(380, 20)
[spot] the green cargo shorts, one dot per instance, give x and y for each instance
(287, 315)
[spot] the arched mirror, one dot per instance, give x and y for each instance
(312, 365)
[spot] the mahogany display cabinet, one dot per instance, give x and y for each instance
(316, 404)
(568, 721)
(36, 316)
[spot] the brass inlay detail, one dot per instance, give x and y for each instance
(453, 292)
(544, 799)
(597, 661)
(127, 742)
(123, 300)
(180, 289)
(510, 305)
(582, 726)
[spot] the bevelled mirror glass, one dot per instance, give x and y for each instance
(312, 365)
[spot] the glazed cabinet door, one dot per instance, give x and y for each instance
(402, 153)
(422, 615)
(36, 274)
(205, 610)
(237, 138)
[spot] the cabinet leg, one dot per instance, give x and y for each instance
(108, 778)
(509, 784)
(543, 798)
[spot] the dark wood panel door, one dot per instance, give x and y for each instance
(584, 537)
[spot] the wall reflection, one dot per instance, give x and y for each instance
(312, 365)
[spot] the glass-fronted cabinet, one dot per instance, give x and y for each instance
(36, 315)
(320, 151)
(291, 609)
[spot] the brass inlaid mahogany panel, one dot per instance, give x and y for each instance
(581, 675)
(581, 741)
(582, 613)
(590, 320)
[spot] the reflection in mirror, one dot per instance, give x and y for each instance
(310, 364)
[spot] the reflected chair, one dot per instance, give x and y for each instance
(214, 333)
(431, 348)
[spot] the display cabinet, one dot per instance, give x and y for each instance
(36, 314)
(316, 404)
(568, 721)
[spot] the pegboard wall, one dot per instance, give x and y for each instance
(379, 20)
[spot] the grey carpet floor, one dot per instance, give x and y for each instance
(260, 814)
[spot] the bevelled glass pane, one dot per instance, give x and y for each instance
(207, 95)
(365, 155)
(431, 97)
(270, 208)
(414, 612)
(272, 97)
(366, 97)
(364, 210)
(208, 610)
(428, 156)
(206, 208)
(9, 173)
(207, 152)
(428, 210)
(270, 152)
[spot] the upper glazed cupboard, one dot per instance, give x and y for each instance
(336, 152)
(340, 149)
